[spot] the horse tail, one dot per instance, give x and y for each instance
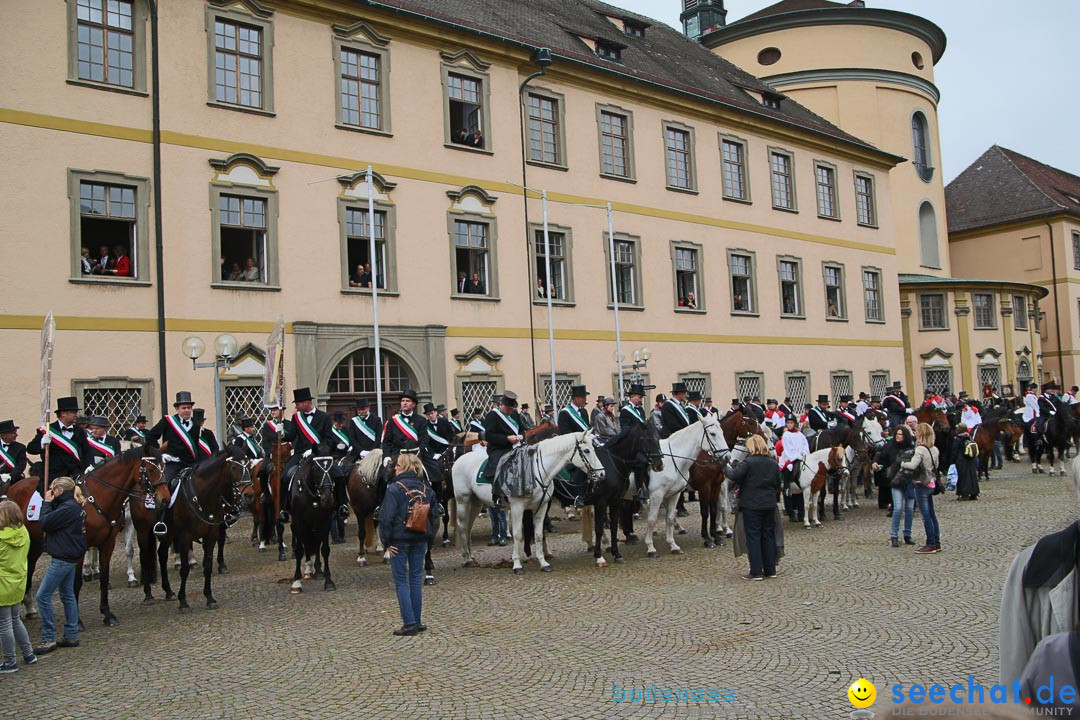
(369, 466)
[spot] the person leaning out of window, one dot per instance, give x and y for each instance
(757, 482)
(63, 521)
(407, 547)
(924, 463)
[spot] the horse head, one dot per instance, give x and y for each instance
(316, 481)
(241, 480)
(712, 437)
(585, 456)
(152, 475)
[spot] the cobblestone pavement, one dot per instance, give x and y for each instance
(554, 645)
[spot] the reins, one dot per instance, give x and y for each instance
(123, 491)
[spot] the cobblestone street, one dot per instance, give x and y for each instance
(555, 645)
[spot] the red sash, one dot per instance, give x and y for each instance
(179, 430)
(405, 428)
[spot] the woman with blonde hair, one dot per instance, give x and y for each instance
(14, 548)
(757, 482)
(924, 465)
(64, 523)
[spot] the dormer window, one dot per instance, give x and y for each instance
(633, 29)
(608, 51)
(771, 101)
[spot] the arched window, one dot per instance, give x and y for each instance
(354, 377)
(928, 237)
(920, 141)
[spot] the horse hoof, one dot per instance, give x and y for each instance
(546, 568)
(281, 557)
(329, 586)
(361, 561)
(307, 576)
(620, 560)
(676, 551)
(518, 571)
(653, 553)
(682, 531)
(170, 596)
(211, 605)
(601, 563)
(223, 569)
(184, 610)
(710, 544)
(110, 621)
(133, 583)
(148, 601)
(262, 548)
(729, 533)
(429, 580)
(469, 563)
(446, 543)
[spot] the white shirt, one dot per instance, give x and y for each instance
(1031, 407)
(861, 407)
(971, 417)
(795, 448)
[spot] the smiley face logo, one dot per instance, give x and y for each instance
(862, 693)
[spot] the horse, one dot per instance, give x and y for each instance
(1055, 437)
(985, 435)
(362, 486)
(548, 458)
(312, 506)
(266, 509)
(135, 473)
(713, 488)
(817, 468)
(864, 444)
(681, 451)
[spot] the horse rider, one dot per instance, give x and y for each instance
(476, 424)
(896, 405)
(364, 430)
(208, 444)
(526, 417)
(874, 410)
(246, 441)
(606, 424)
(736, 406)
(271, 434)
(1048, 405)
(756, 409)
(574, 418)
(970, 416)
(440, 434)
(309, 434)
(179, 434)
(1069, 398)
(819, 416)
(12, 454)
(774, 416)
(503, 431)
(101, 446)
(632, 413)
(693, 405)
(548, 415)
(405, 432)
(791, 451)
(136, 434)
(68, 458)
(785, 407)
(845, 414)
(454, 421)
(342, 451)
(863, 405)
(674, 414)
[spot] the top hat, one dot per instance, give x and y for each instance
(429, 407)
(246, 422)
(524, 406)
(440, 407)
(68, 404)
(823, 398)
(863, 396)
(198, 414)
(693, 395)
(963, 394)
(408, 393)
(548, 408)
(736, 401)
(578, 391)
(477, 411)
(301, 395)
(141, 418)
(845, 398)
(897, 385)
(708, 400)
(636, 389)
(337, 417)
(509, 399)
(1050, 386)
(808, 406)
(8, 426)
(875, 399)
(455, 412)
(183, 398)
(661, 398)
(363, 403)
(82, 420)
(98, 421)
(678, 388)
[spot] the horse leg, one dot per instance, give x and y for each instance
(429, 567)
(279, 527)
(209, 539)
(463, 531)
(147, 553)
(324, 546)
(129, 547)
(703, 508)
(361, 537)
(598, 533)
(104, 559)
(222, 567)
(650, 522)
(185, 570)
(613, 512)
(298, 550)
(538, 536)
(808, 503)
(517, 510)
(672, 510)
(163, 566)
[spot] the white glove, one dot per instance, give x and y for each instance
(364, 453)
(436, 457)
(5, 477)
(340, 446)
(89, 468)
(910, 411)
(307, 453)
(386, 462)
(46, 439)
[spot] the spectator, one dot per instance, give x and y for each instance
(356, 279)
(757, 482)
(925, 464)
(1055, 659)
(833, 312)
(224, 269)
(104, 262)
(656, 416)
(691, 301)
(737, 302)
(475, 286)
(88, 263)
(462, 137)
(407, 547)
(476, 139)
(251, 271)
(541, 291)
(122, 263)
(235, 273)
(607, 424)
(14, 549)
(903, 493)
(967, 469)
(64, 523)
(498, 527)
(462, 283)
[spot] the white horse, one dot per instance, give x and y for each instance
(814, 476)
(871, 435)
(549, 457)
(680, 451)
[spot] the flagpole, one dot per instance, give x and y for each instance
(615, 302)
(547, 293)
(48, 337)
(374, 285)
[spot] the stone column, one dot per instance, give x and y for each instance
(905, 326)
(1007, 329)
(963, 331)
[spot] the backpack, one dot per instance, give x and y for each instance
(971, 449)
(417, 521)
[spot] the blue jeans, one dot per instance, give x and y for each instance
(13, 632)
(407, 569)
(998, 459)
(925, 498)
(902, 500)
(498, 524)
(760, 527)
(60, 575)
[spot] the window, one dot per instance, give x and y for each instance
(872, 295)
(797, 388)
(563, 384)
(471, 246)
(990, 375)
(608, 51)
(244, 400)
(355, 374)
(627, 270)
(928, 237)
(841, 383)
(827, 205)
(244, 223)
(1076, 250)
(743, 290)
(354, 224)
(932, 312)
(686, 259)
(467, 105)
(561, 282)
(791, 298)
(835, 297)
(879, 383)
(1020, 313)
(363, 82)
(240, 63)
(749, 385)
(733, 154)
(546, 122)
(633, 28)
(865, 202)
(476, 394)
(984, 311)
(358, 237)
(783, 181)
(920, 141)
(696, 381)
(108, 44)
(679, 156)
(472, 230)
(117, 399)
(109, 227)
(616, 128)
(937, 378)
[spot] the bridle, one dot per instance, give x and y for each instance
(323, 464)
(144, 479)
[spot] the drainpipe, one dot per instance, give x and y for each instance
(155, 99)
(542, 57)
(1057, 316)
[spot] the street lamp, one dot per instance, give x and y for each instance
(640, 358)
(225, 350)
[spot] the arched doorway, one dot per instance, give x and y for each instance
(354, 378)
(1023, 374)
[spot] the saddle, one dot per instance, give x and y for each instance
(514, 475)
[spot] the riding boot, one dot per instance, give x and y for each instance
(380, 490)
(680, 507)
(339, 497)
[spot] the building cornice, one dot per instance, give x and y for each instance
(1035, 218)
(785, 80)
(946, 284)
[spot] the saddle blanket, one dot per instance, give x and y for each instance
(480, 479)
(33, 510)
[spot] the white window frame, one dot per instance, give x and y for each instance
(800, 304)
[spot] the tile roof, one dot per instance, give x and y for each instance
(919, 279)
(786, 6)
(1003, 186)
(664, 56)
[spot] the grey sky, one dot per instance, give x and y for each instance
(1007, 76)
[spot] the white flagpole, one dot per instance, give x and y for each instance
(615, 302)
(48, 337)
(547, 293)
(374, 284)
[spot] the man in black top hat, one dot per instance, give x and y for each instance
(632, 413)
(439, 435)
(574, 418)
(404, 432)
(693, 406)
(310, 433)
(179, 433)
(136, 434)
(674, 415)
(476, 424)
(101, 447)
(68, 456)
(503, 431)
(820, 415)
(247, 441)
(896, 405)
(365, 430)
(12, 454)
(526, 417)
(455, 421)
(208, 445)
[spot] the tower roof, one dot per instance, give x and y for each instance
(787, 6)
(1003, 186)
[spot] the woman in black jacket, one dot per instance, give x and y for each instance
(64, 523)
(757, 481)
(407, 547)
(967, 469)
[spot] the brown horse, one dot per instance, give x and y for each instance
(266, 504)
(985, 435)
(135, 473)
(707, 478)
(362, 486)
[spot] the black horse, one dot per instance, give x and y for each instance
(312, 506)
(1054, 438)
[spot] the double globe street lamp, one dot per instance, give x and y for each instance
(225, 346)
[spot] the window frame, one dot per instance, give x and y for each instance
(880, 294)
(139, 17)
(359, 38)
(842, 314)
(791, 374)
(452, 65)
(754, 310)
(256, 16)
(563, 378)
(944, 312)
(389, 211)
(1076, 249)
(834, 190)
(536, 250)
(925, 171)
(639, 290)
(560, 131)
(1017, 315)
(691, 156)
(744, 149)
(800, 313)
(975, 312)
(871, 199)
(492, 283)
(225, 182)
(699, 271)
(145, 386)
(628, 116)
(792, 184)
(750, 375)
(75, 178)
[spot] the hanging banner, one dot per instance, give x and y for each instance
(48, 338)
(274, 377)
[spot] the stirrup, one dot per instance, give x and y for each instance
(375, 513)
(578, 502)
(343, 511)
(230, 519)
(160, 529)
(283, 516)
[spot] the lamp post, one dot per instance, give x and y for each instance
(225, 350)
(640, 358)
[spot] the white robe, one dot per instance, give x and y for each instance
(1031, 407)
(971, 417)
(795, 448)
